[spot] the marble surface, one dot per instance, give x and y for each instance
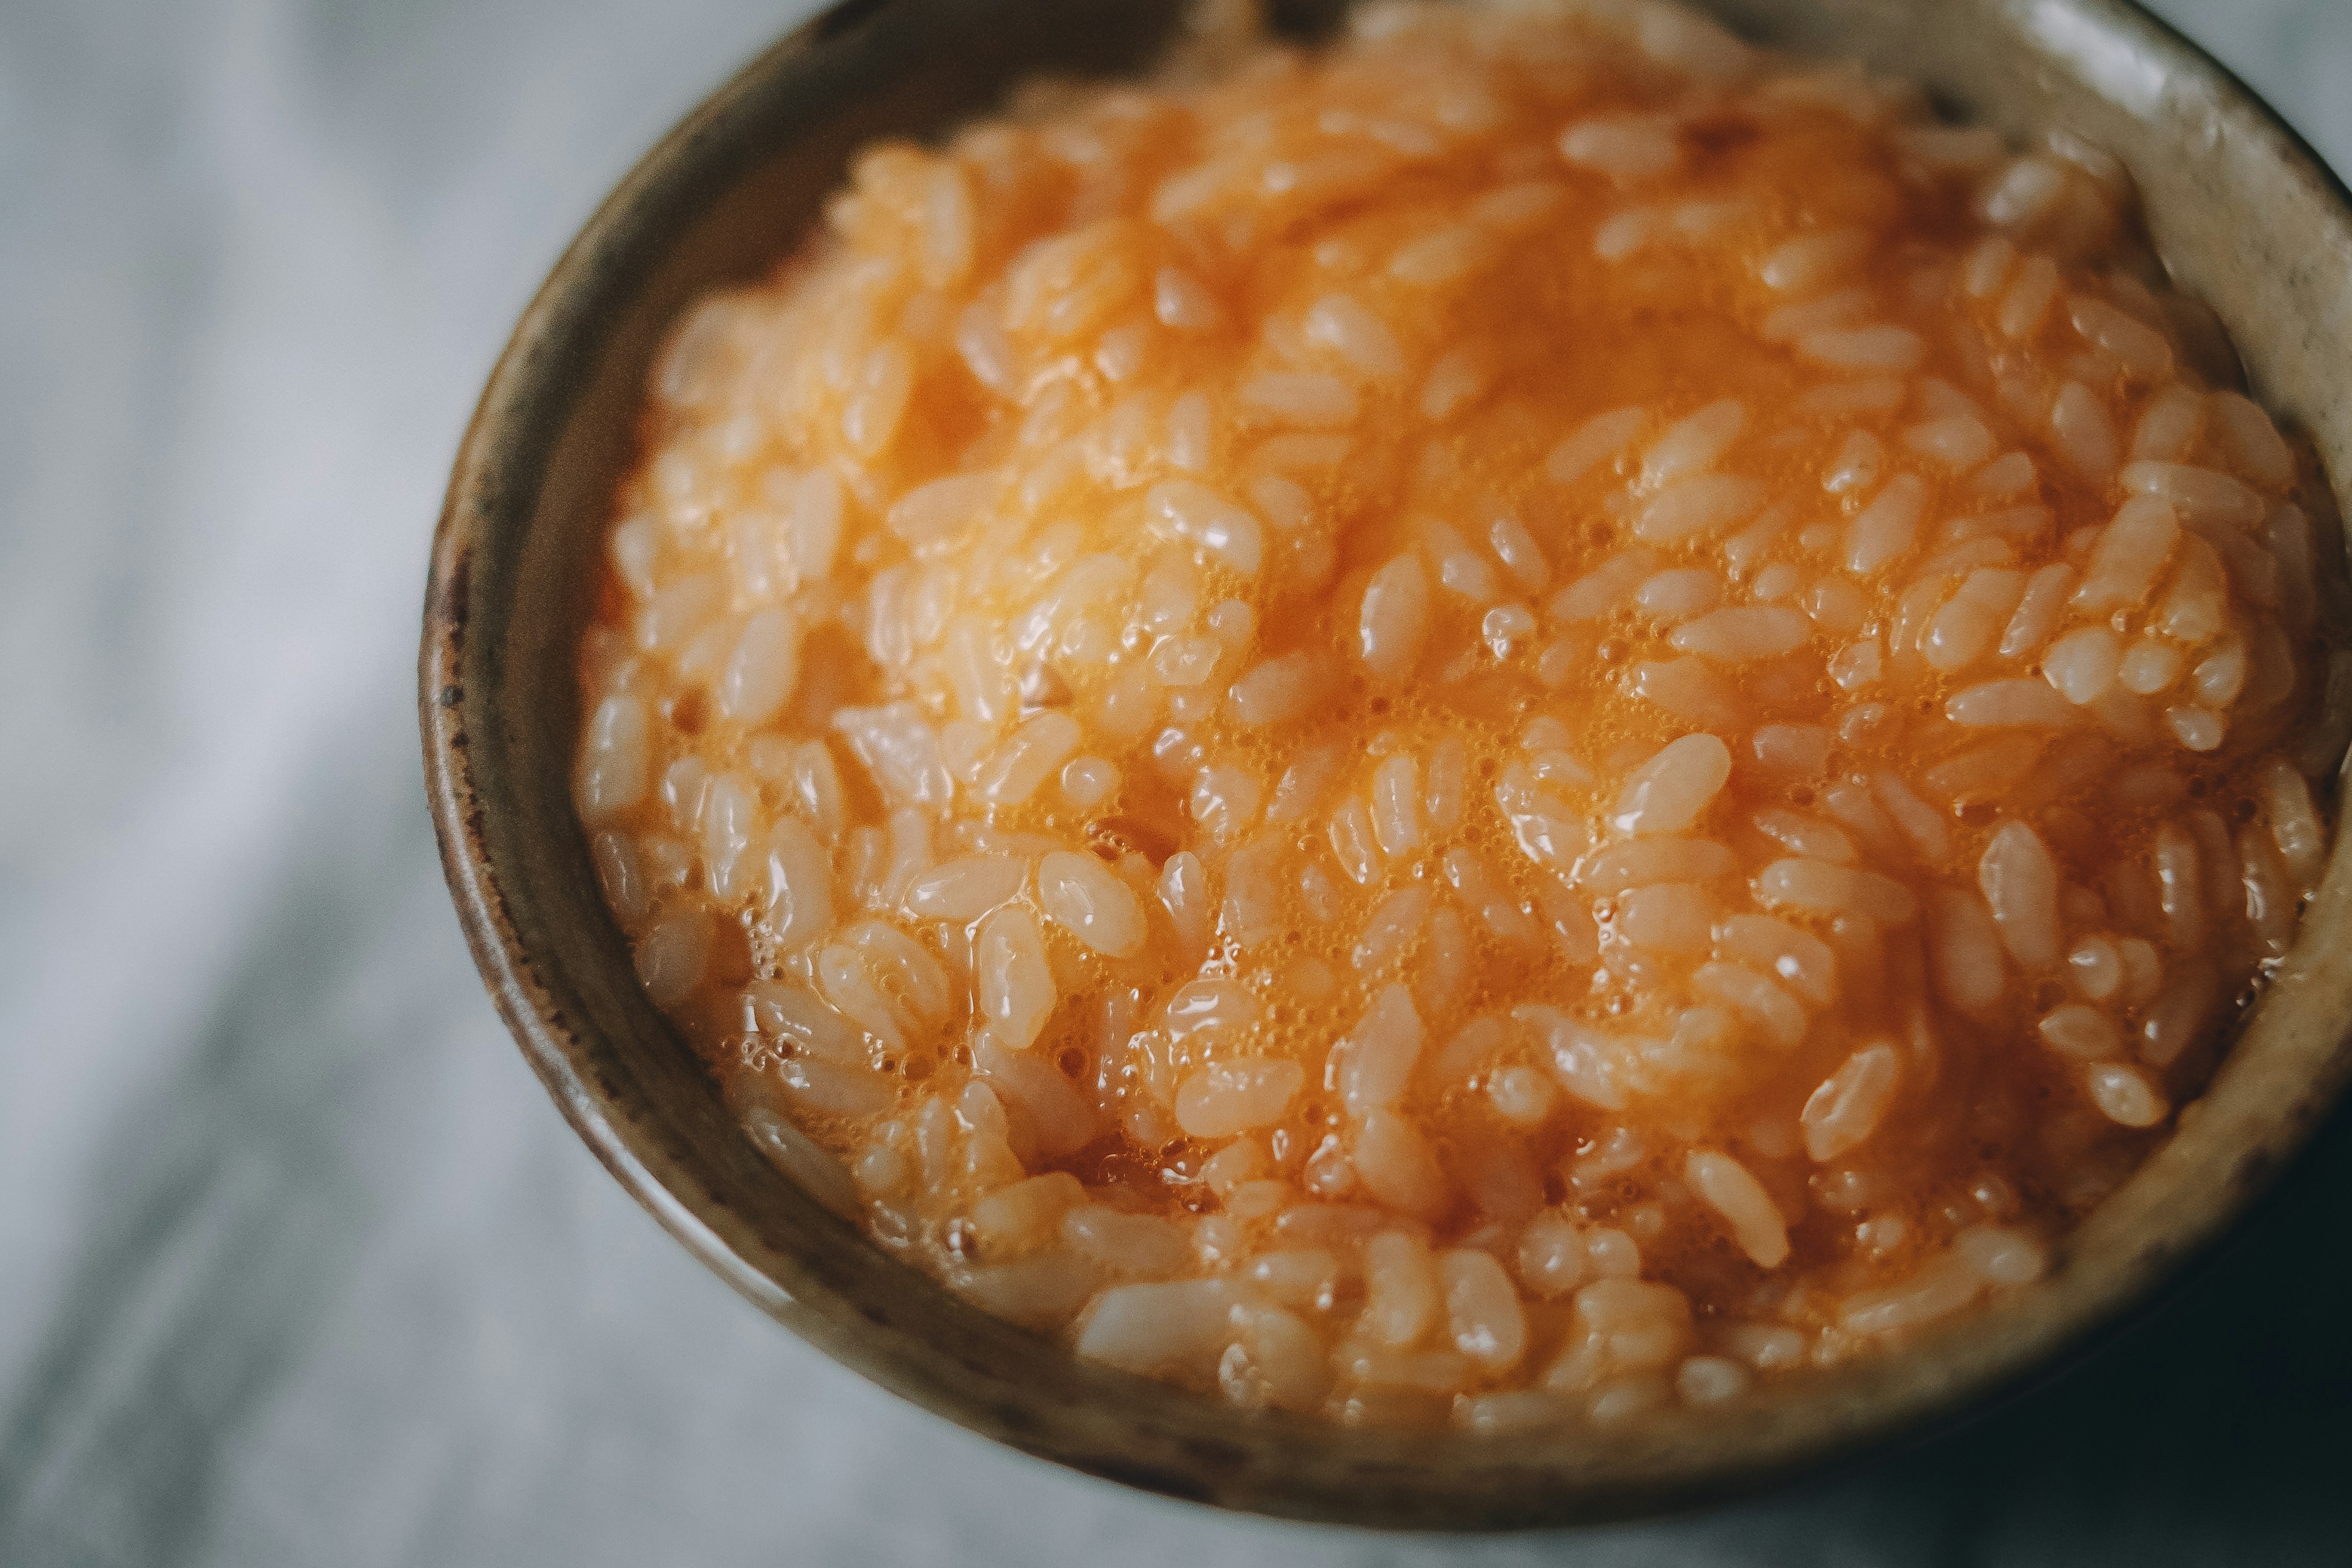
(297, 1263)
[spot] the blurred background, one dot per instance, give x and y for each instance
(298, 1265)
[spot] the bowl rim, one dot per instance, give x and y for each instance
(454, 713)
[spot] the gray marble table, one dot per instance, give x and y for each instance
(297, 1263)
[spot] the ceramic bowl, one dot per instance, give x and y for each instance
(2244, 214)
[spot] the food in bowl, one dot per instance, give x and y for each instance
(1528, 717)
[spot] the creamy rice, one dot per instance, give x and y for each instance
(1529, 718)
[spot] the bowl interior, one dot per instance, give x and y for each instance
(2243, 214)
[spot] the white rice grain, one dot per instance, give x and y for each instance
(1698, 507)
(1281, 688)
(2020, 881)
(673, 952)
(1778, 1015)
(2085, 433)
(1800, 749)
(2262, 455)
(1058, 1115)
(1027, 758)
(2295, 824)
(2003, 704)
(762, 670)
(1770, 946)
(1592, 443)
(1215, 524)
(2141, 350)
(1727, 1188)
(1888, 528)
(2171, 423)
(1458, 378)
(1888, 348)
(1965, 628)
(1375, 1060)
(2124, 1095)
(2198, 495)
(1483, 1315)
(2038, 611)
(1488, 899)
(1228, 1098)
(1403, 1292)
(2179, 1013)
(1668, 792)
(1398, 1167)
(1811, 260)
(1742, 634)
(2081, 1031)
(1584, 1060)
(1016, 984)
(1083, 896)
(1393, 927)
(2083, 665)
(1820, 887)
(1394, 618)
(1396, 805)
(1342, 324)
(1805, 835)
(1627, 149)
(2130, 554)
(1918, 822)
(1965, 952)
(822, 1087)
(1176, 1326)
(1131, 1244)
(615, 759)
(1940, 1287)
(1442, 256)
(1644, 861)
(901, 751)
(1692, 443)
(1666, 917)
(1851, 1102)
(1958, 443)
(965, 888)
(1181, 303)
(2197, 728)
(2002, 1256)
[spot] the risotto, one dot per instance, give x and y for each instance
(1529, 717)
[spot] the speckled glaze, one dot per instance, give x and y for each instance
(2244, 214)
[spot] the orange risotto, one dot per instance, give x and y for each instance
(1530, 717)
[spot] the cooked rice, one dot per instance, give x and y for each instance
(1530, 718)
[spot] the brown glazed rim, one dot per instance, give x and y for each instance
(2244, 212)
